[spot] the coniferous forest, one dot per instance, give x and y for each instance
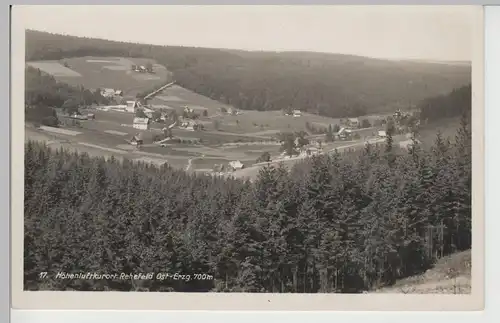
(340, 223)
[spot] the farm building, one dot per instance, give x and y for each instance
(218, 168)
(141, 123)
(148, 112)
(131, 106)
(310, 151)
(107, 93)
(137, 139)
(119, 107)
(233, 111)
(344, 133)
(236, 164)
(188, 110)
(407, 144)
(353, 122)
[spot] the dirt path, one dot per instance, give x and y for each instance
(189, 164)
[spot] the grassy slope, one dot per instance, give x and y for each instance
(97, 75)
(450, 275)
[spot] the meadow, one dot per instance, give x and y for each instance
(104, 72)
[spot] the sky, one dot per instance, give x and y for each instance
(393, 32)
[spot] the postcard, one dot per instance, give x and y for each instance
(247, 157)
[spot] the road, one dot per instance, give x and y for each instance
(252, 171)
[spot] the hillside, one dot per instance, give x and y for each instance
(328, 84)
(104, 72)
(450, 275)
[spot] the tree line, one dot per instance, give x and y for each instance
(44, 94)
(326, 84)
(340, 223)
(453, 104)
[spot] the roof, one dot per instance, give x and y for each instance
(354, 119)
(138, 137)
(141, 120)
(235, 163)
(382, 133)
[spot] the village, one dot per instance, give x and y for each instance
(161, 126)
(170, 124)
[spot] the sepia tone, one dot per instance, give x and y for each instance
(167, 168)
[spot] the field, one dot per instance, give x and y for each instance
(178, 97)
(104, 72)
(111, 130)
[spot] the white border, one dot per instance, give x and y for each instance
(256, 302)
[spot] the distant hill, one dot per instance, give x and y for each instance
(453, 104)
(332, 85)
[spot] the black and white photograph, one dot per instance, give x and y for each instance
(248, 149)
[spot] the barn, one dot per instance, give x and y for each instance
(141, 123)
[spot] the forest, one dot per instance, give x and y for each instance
(453, 104)
(43, 93)
(341, 223)
(332, 85)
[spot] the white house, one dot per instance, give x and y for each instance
(382, 134)
(188, 110)
(107, 93)
(353, 122)
(137, 140)
(407, 144)
(131, 106)
(141, 123)
(344, 133)
(297, 113)
(236, 164)
(148, 112)
(309, 151)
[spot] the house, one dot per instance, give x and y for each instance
(312, 151)
(297, 113)
(118, 93)
(188, 110)
(232, 111)
(141, 123)
(137, 140)
(408, 144)
(107, 93)
(236, 164)
(382, 134)
(131, 106)
(353, 122)
(344, 133)
(148, 112)
(218, 168)
(309, 151)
